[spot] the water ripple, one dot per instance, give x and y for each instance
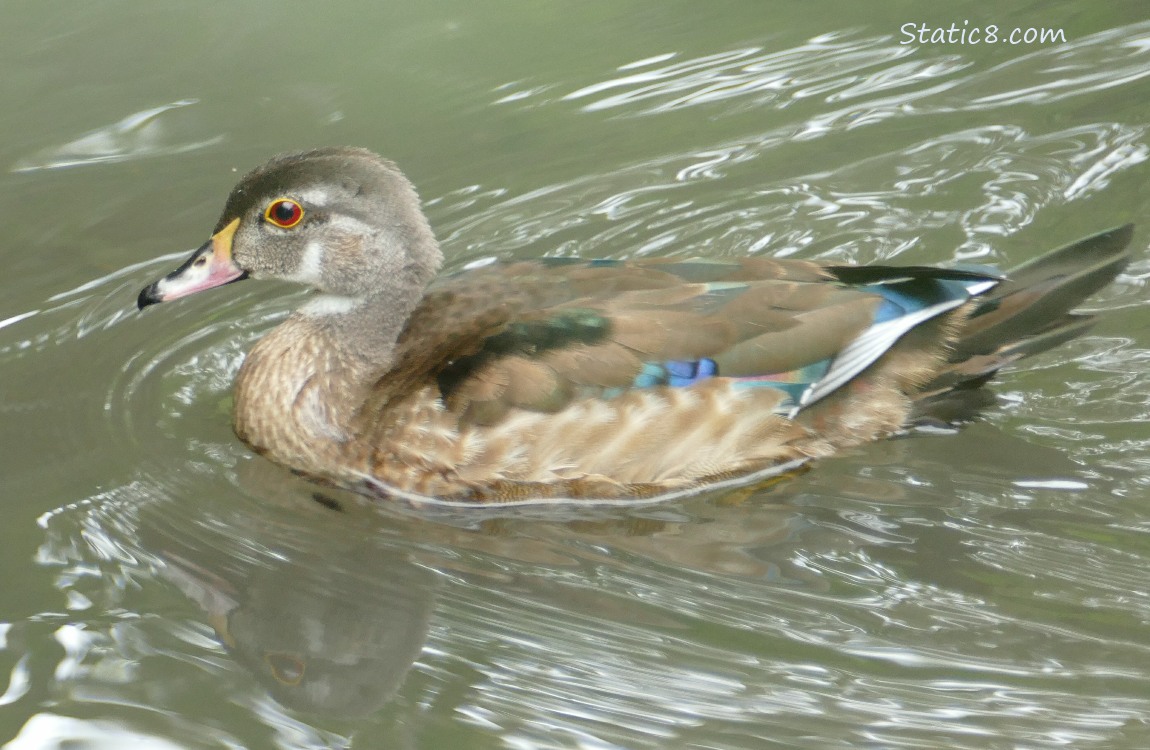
(830, 64)
(139, 135)
(926, 593)
(998, 179)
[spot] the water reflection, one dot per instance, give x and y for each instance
(996, 179)
(139, 135)
(330, 631)
(836, 65)
(306, 621)
(876, 75)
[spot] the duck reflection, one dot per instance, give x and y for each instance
(330, 633)
(326, 597)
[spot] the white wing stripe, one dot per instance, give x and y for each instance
(869, 346)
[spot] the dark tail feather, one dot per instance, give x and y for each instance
(1036, 296)
(1028, 313)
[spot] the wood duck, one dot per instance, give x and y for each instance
(592, 379)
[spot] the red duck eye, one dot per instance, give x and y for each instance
(284, 213)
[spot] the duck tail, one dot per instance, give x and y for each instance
(1029, 312)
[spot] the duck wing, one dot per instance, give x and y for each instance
(539, 335)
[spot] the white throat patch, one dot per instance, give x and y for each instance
(329, 304)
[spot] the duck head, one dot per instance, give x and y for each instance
(340, 220)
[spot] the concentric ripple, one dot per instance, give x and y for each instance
(973, 590)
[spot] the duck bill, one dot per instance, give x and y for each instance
(209, 267)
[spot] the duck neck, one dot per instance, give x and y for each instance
(363, 330)
(300, 387)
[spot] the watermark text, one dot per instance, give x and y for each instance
(967, 34)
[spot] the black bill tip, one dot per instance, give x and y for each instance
(149, 295)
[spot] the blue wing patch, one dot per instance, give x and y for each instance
(676, 373)
(683, 373)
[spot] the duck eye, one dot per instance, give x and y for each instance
(284, 213)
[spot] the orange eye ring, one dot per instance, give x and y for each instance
(284, 213)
